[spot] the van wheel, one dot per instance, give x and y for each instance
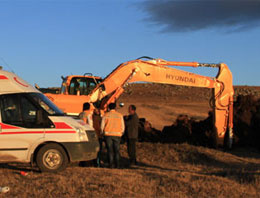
(51, 158)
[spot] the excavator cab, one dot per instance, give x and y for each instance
(79, 85)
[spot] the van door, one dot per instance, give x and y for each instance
(21, 125)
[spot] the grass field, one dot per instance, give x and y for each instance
(164, 170)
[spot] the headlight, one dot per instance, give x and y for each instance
(82, 134)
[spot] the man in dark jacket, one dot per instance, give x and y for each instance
(131, 123)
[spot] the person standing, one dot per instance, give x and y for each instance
(87, 117)
(112, 127)
(132, 122)
(97, 126)
(86, 114)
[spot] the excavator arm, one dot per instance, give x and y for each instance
(155, 71)
(159, 71)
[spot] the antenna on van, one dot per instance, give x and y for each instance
(6, 64)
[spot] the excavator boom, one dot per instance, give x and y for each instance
(154, 71)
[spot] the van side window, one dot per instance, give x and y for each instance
(28, 110)
(18, 110)
(10, 110)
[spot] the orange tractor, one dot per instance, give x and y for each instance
(77, 90)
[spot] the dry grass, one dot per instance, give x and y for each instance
(165, 170)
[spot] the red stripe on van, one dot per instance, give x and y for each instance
(62, 125)
(20, 82)
(2, 77)
(58, 125)
(21, 132)
(34, 132)
(6, 126)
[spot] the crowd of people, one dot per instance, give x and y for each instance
(110, 126)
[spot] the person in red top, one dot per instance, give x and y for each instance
(112, 127)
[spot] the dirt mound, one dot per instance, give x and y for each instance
(179, 132)
(186, 129)
(147, 133)
(247, 120)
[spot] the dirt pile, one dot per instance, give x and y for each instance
(147, 133)
(247, 120)
(246, 90)
(186, 129)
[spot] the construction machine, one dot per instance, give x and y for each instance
(146, 69)
(74, 92)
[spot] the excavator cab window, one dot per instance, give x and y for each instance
(63, 86)
(74, 88)
(82, 85)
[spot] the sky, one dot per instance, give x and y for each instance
(42, 40)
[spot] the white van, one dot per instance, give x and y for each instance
(34, 130)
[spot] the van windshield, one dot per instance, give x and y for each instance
(46, 104)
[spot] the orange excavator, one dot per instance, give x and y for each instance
(102, 92)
